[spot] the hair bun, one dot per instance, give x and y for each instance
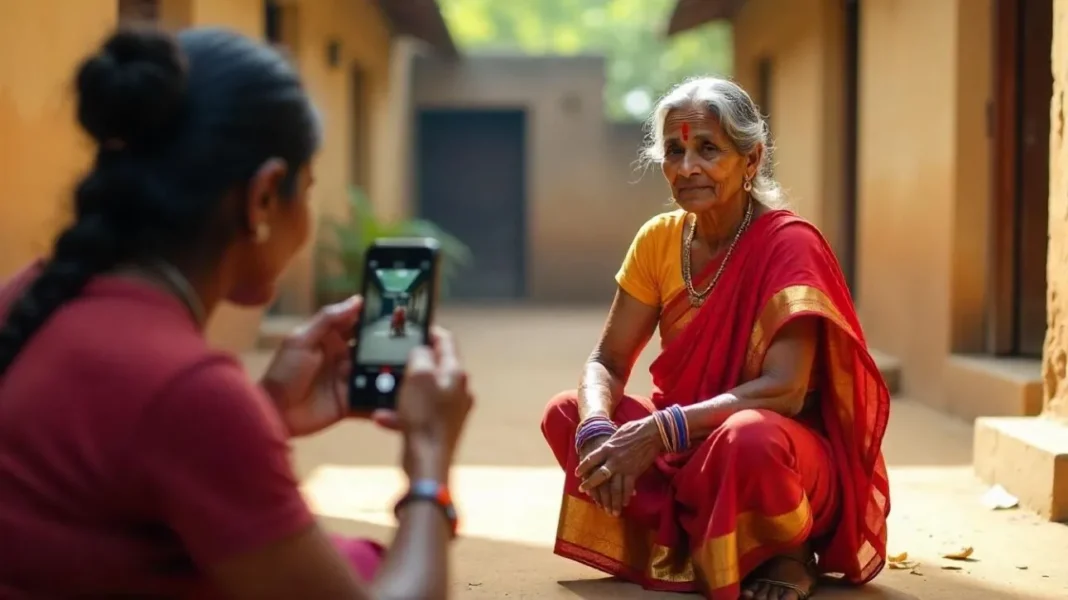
(132, 90)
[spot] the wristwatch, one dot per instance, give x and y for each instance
(428, 490)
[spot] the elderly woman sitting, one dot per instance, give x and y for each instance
(756, 465)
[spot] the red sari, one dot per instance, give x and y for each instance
(761, 484)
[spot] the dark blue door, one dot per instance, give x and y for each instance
(472, 184)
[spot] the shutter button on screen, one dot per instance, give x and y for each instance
(384, 382)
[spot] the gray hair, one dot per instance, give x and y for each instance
(737, 114)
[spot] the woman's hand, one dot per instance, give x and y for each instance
(599, 495)
(432, 407)
(610, 471)
(308, 377)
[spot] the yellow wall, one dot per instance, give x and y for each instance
(924, 169)
(803, 40)
(42, 151)
(365, 42)
(923, 159)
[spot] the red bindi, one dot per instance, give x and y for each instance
(685, 132)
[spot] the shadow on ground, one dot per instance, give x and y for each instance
(508, 487)
(488, 569)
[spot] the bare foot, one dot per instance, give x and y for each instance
(781, 578)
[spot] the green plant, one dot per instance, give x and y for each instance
(343, 243)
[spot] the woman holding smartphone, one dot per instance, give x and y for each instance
(134, 459)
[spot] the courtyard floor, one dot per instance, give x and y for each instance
(508, 487)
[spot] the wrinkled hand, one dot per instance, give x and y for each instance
(601, 495)
(610, 471)
(308, 376)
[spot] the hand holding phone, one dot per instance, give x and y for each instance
(432, 407)
(399, 290)
(307, 378)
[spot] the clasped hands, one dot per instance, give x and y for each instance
(609, 466)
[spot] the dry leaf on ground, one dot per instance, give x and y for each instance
(901, 562)
(959, 554)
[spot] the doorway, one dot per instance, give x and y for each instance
(472, 183)
(1023, 86)
(850, 114)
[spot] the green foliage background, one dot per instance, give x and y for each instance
(630, 33)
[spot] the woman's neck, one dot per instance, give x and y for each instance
(189, 282)
(717, 227)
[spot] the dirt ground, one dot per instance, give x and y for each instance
(508, 486)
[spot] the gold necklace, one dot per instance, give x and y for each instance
(697, 298)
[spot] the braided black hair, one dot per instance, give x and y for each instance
(179, 121)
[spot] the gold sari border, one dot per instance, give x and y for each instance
(675, 315)
(844, 380)
(677, 312)
(622, 541)
(627, 547)
(719, 558)
(780, 308)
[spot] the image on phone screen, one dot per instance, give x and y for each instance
(398, 302)
(396, 308)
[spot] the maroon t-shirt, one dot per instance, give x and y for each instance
(131, 454)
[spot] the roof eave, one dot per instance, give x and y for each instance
(421, 19)
(691, 14)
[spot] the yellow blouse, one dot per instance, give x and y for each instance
(652, 269)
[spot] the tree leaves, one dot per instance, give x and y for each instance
(340, 253)
(630, 33)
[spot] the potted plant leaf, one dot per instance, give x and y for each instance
(344, 242)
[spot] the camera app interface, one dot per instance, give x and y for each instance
(395, 310)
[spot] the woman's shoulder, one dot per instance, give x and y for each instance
(665, 220)
(788, 228)
(662, 225)
(792, 242)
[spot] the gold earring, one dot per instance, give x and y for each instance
(263, 232)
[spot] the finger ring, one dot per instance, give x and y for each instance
(607, 472)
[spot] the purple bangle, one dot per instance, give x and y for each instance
(591, 431)
(593, 427)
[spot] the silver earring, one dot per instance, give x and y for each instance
(748, 185)
(263, 232)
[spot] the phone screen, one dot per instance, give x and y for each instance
(398, 299)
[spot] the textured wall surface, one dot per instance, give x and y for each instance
(1055, 360)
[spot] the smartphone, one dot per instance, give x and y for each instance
(399, 293)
